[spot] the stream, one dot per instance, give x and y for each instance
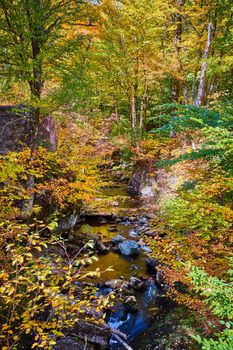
(154, 322)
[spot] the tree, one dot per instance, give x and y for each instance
(129, 55)
(33, 40)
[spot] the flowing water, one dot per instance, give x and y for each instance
(158, 320)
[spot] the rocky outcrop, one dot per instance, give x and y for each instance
(18, 130)
(93, 333)
(140, 173)
(84, 335)
(141, 183)
(47, 136)
(72, 343)
(68, 222)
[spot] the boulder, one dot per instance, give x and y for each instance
(101, 247)
(117, 239)
(152, 265)
(130, 303)
(149, 188)
(115, 284)
(18, 129)
(67, 223)
(136, 283)
(70, 343)
(139, 176)
(16, 124)
(129, 248)
(102, 217)
(93, 333)
(141, 181)
(47, 134)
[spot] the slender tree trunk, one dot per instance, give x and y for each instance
(176, 85)
(201, 87)
(175, 90)
(143, 108)
(144, 97)
(186, 94)
(193, 88)
(142, 112)
(36, 86)
(133, 112)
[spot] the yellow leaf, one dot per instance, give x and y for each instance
(52, 342)
(43, 344)
(21, 259)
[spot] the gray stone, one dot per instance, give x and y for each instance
(67, 223)
(47, 134)
(117, 239)
(141, 181)
(18, 129)
(129, 248)
(93, 333)
(133, 233)
(101, 247)
(72, 343)
(139, 176)
(115, 284)
(152, 265)
(130, 303)
(136, 283)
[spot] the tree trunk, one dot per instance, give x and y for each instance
(201, 87)
(193, 88)
(175, 90)
(143, 109)
(176, 86)
(186, 94)
(133, 112)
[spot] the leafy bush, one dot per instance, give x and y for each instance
(219, 295)
(40, 295)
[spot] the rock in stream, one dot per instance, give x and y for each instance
(129, 248)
